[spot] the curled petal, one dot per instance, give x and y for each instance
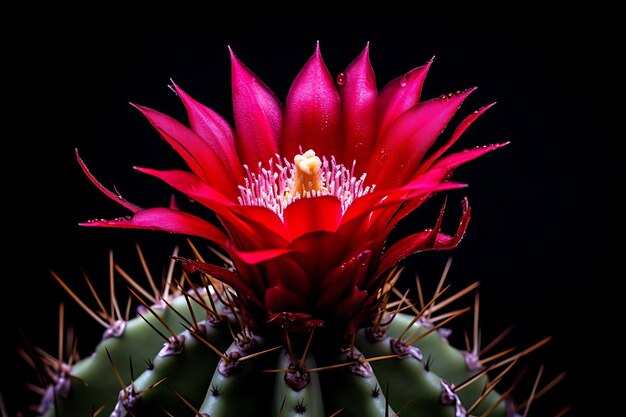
(113, 196)
(257, 113)
(312, 112)
(429, 239)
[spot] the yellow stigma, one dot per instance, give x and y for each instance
(307, 174)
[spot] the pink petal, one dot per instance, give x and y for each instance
(399, 152)
(458, 132)
(257, 226)
(257, 113)
(280, 300)
(113, 196)
(312, 214)
(359, 105)
(166, 219)
(200, 157)
(400, 95)
(313, 112)
(214, 130)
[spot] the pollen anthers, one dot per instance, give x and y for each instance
(308, 176)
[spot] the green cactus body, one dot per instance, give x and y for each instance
(452, 364)
(93, 381)
(376, 377)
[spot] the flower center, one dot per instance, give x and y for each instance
(307, 176)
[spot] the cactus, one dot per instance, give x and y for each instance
(305, 317)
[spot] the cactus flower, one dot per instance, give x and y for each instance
(307, 191)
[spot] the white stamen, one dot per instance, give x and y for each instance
(273, 188)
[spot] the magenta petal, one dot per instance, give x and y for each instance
(280, 300)
(455, 160)
(257, 113)
(214, 130)
(401, 94)
(113, 196)
(168, 220)
(313, 112)
(359, 105)
(200, 157)
(192, 186)
(312, 214)
(258, 256)
(458, 132)
(400, 150)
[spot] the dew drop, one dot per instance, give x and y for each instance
(189, 268)
(404, 81)
(341, 78)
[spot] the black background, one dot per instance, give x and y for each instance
(542, 232)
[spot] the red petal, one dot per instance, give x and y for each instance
(200, 157)
(224, 275)
(214, 130)
(257, 113)
(334, 285)
(400, 95)
(351, 304)
(312, 112)
(319, 252)
(458, 132)
(251, 227)
(430, 239)
(398, 153)
(359, 106)
(161, 218)
(289, 274)
(312, 214)
(258, 256)
(279, 300)
(113, 196)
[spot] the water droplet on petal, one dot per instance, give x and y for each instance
(404, 81)
(341, 78)
(189, 267)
